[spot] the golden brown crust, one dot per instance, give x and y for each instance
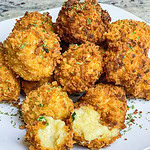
(110, 102)
(32, 53)
(124, 63)
(80, 67)
(130, 31)
(35, 142)
(79, 22)
(43, 21)
(49, 100)
(28, 86)
(102, 142)
(9, 81)
(95, 144)
(142, 87)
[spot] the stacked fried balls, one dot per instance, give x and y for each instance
(51, 61)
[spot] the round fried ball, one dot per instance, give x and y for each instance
(79, 22)
(99, 117)
(130, 31)
(28, 86)
(35, 19)
(49, 134)
(141, 89)
(9, 81)
(32, 53)
(124, 63)
(110, 103)
(80, 67)
(49, 100)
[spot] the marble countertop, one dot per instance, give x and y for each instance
(15, 8)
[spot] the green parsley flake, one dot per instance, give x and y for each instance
(131, 47)
(41, 105)
(42, 22)
(88, 21)
(35, 25)
(132, 106)
(22, 46)
(140, 126)
(44, 31)
(78, 63)
(63, 4)
(42, 118)
(73, 116)
(81, 6)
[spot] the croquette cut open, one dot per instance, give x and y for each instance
(99, 117)
(49, 134)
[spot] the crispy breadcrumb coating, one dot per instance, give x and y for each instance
(142, 87)
(37, 19)
(124, 63)
(49, 134)
(28, 86)
(32, 53)
(79, 22)
(80, 67)
(49, 100)
(130, 31)
(9, 81)
(99, 117)
(90, 129)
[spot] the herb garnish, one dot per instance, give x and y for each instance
(73, 116)
(42, 118)
(88, 21)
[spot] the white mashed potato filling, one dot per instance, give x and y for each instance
(86, 124)
(53, 134)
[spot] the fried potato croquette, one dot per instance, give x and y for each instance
(131, 31)
(49, 100)
(9, 81)
(124, 63)
(142, 87)
(32, 53)
(35, 19)
(49, 134)
(110, 102)
(28, 86)
(99, 117)
(79, 22)
(80, 67)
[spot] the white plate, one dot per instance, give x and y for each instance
(137, 139)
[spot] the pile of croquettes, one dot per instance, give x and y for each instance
(82, 52)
